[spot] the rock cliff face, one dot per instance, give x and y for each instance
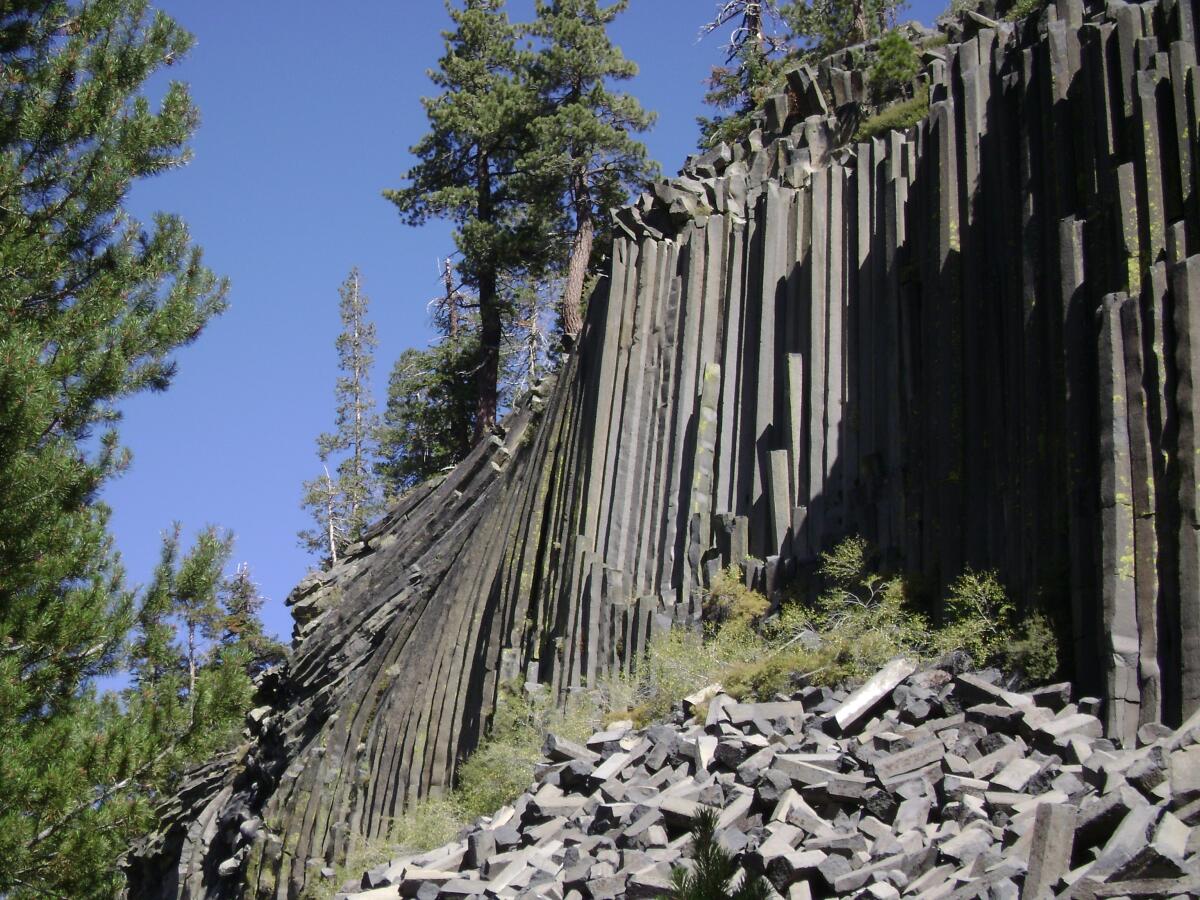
(973, 343)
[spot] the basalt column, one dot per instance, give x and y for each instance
(975, 343)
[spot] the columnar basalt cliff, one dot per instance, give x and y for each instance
(974, 343)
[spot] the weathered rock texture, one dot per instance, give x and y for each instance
(936, 788)
(974, 343)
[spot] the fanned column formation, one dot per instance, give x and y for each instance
(973, 343)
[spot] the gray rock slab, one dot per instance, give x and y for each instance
(862, 701)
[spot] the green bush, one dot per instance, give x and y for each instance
(1032, 650)
(503, 764)
(428, 823)
(858, 623)
(498, 771)
(679, 662)
(729, 600)
(896, 65)
(982, 621)
(1023, 8)
(978, 616)
(897, 117)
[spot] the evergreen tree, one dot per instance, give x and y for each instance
(712, 876)
(582, 148)
(529, 351)
(92, 305)
(342, 506)
(820, 27)
(198, 644)
(465, 171)
(766, 35)
(428, 421)
(750, 64)
(241, 627)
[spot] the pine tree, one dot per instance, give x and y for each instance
(198, 644)
(465, 171)
(821, 27)
(583, 149)
(750, 65)
(241, 627)
(428, 421)
(342, 506)
(714, 870)
(769, 32)
(92, 306)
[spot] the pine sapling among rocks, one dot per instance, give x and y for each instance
(713, 870)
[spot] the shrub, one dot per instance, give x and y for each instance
(845, 566)
(729, 600)
(978, 616)
(771, 674)
(897, 117)
(896, 65)
(1033, 650)
(862, 620)
(714, 870)
(428, 823)
(1023, 8)
(677, 663)
(503, 764)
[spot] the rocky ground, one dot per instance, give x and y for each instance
(919, 783)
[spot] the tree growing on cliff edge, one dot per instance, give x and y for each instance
(583, 155)
(93, 305)
(342, 502)
(466, 171)
(765, 36)
(428, 420)
(737, 86)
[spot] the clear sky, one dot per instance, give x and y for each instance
(307, 113)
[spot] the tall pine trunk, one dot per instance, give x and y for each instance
(860, 20)
(451, 302)
(330, 515)
(577, 266)
(356, 440)
(487, 375)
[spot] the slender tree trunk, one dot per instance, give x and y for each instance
(329, 516)
(754, 26)
(487, 375)
(581, 253)
(357, 437)
(860, 20)
(191, 652)
(451, 301)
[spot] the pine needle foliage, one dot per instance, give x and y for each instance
(896, 64)
(712, 874)
(428, 421)
(92, 306)
(467, 171)
(342, 501)
(766, 37)
(582, 155)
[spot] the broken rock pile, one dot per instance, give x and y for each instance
(920, 783)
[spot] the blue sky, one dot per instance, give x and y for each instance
(308, 110)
